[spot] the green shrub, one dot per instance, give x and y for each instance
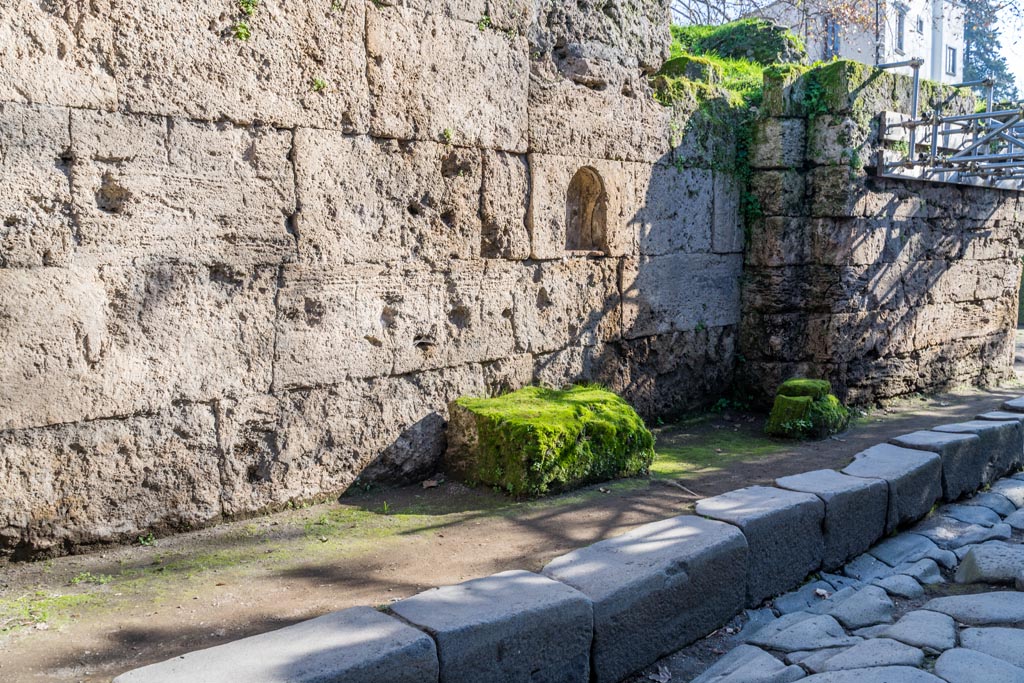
(535, 440)
(806, 408)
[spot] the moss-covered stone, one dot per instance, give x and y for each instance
(693, 68)
(536, 441)
(758, 40)
(806, 408)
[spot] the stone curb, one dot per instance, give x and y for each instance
(604, 611)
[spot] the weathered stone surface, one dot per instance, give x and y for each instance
(1006, 644)
(783, 530)
(926, 571)
(855, 511)
(866, 607)
(1011, 489)
(727, 226)
(779, 143)
(813, 633)
(750, 664)
(963, 459)
(673, 205)
(993, 562)
(504, 202)
(513, 625)
(35, 192)
(880, 674)
(982, 609)
(267, 77)
(923, 628)
(1015, 405)
(415, 62)
(1002, 441)
(961, 665)
(875, 652)
(905, 547)
(360, 645)
(866, 568)
(804, 597)
(900, 586)
(674, 580)
(914, 478)
(993, 501)
(949, 533)
(1016, 520)
(971, 514)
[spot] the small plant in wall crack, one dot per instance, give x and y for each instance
(319, 84)
(448, 135)
(248, 7)
(484, 23)
(242, 31)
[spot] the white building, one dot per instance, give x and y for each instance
(932, 30)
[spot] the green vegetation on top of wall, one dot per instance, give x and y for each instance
(806, 408)
(536, 440)
(755, 40)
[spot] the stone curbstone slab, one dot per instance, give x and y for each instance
(855, 511)
(914, 478)
(357, 645)
(963, 460)
(1015, 405)
(1001, 440)
(515, 625)
(656, 588)
(783, 530)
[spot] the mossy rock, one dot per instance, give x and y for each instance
(758, 40)
(806, 408)
(536, 441)
(692, 68)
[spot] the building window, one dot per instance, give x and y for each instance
(951, 61)
(901, 28)
(832, 41)
(920, 25)
(586, 212)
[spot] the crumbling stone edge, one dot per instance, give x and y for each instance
(604, 611)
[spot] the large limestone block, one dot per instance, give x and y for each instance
(778, 144)
(504, 203)
(35, 194)
(551, 183)
(963, 459)
(183, 59)
(172, 190)
(783, 530)
(673, 581)
(500, 15)
(56, 53)
(428, 74)
(567, 303)
(727, 224)
(914, 478)
(357, 645)
(82, 343)
(107, 480)
(512, 626)
(368, 200)
(855, 511)
(367, 321)
(1001, 440)
(658, 293)
(780, 193)
(677, 210)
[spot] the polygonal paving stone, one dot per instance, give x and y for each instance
(869, 606)
(515, 625)
(961, 665)
(783, 530)
(971, 514)
(925, 629)
(803, 597)
(906, 547)
(814, 633)
(879, 674)
(814, 660)
(674, 581)
(993, 501)
(748, 664)
(963, 461)
(840, 582)
(1002, 441)
(867, 568)
(360, 645)
(949, 533)
(855, 511)
(1011, 489)
(757, 619)
(875, 652)
(901, 586)
(1015, 405)
(999, 642)
(914, 479)
(925, 571)
(993, 562)
(999, 608)
(1016, 520)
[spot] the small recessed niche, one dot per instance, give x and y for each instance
(586, 213)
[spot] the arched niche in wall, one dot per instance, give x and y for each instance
(586, 213)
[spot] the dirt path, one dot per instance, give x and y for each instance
(87, 618)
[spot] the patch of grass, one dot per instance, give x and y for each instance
(89, 577)
(39, 607)
(680, 455)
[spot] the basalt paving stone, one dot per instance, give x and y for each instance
(813, 633)
(879, 674)
(1001, 441)
(757, 619)
(923, 628)
(1016, 520)
(875, 652)
(949, 533)
(993, 501)
(1001, 415)
(901, 586)
(995, 562)
(783, 530)
(855, 511)
(961, 665)
(673, 581)
(748, 664)
(832, 602)
(515, 625)
(925, 571)
(998, 608)
(358, 645)
(999, 642)
(1011, 489)
(907, 547)
(1015, 405)
(963, 460)
(814, 660)
(971, 514)
(804, 597)
(840, 582)
(866, 607)
(914, 478)
(867, 568)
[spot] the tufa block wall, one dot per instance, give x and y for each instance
(239, 273)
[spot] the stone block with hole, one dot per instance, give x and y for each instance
(1001, 440)
(512, 626)
(784, 532)
(914, 479)
(963, 460)
(358, 645)
(656, 588)
(855, 511)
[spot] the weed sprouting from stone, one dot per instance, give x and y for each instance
(448, 135)
(242, 31)
(319, 84)
(248, 7)
(484, 23)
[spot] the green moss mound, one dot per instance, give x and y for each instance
(806, 409)
(755, 40)
(536, 441)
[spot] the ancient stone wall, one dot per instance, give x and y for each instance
(246, 259)
(884, 287)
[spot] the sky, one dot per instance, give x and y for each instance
(1012, 39)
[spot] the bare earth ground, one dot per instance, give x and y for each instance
(90, 617)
